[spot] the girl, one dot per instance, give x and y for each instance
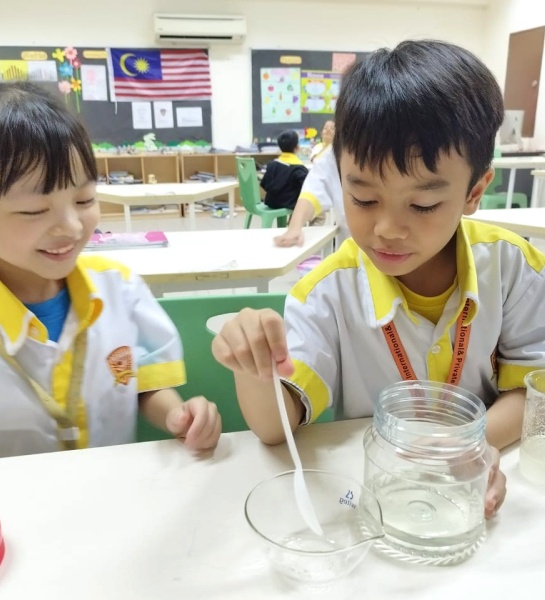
(83, 343)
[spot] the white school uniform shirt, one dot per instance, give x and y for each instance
(334, 318)
(322, 188)
(132, 347)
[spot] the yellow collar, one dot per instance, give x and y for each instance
(387, 295)
(17, 322)
(290, 158)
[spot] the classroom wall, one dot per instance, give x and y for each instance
(291, 24)
(504, 17)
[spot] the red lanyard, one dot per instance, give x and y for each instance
(459, 351)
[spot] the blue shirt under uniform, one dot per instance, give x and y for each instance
(52, 313)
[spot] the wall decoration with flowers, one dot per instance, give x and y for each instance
(69, 68)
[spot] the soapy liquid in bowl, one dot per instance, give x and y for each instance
(320, 559)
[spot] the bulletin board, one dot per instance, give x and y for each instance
(293, 89)
(106, 121)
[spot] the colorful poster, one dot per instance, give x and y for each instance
(319, 91)
(280, 95)
(13, 69)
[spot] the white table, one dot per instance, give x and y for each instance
(212, 259)
(518, 162)
(527, 222)
(152, 522)
(143, 194)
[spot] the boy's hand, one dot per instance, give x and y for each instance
(196, 422)
(248, 343)
(289, 239)
(495, 495)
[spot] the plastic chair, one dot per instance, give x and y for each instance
(493, 198)
(205, 376)
(251, 198)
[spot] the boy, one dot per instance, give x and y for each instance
(83, 343)
(414, 140)
(285, 175)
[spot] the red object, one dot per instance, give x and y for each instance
(2, 546)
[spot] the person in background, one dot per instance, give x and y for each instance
(284, 176)
(419, 291)
(84, 345)
(328, 132)
(320, 193)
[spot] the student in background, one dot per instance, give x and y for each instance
(285, 175)
(449, 289)
(321, 192)
(84, 345)
(328, 132)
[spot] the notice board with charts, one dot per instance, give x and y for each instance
(81, 77)
(295, 89)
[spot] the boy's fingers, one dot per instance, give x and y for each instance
(267, 340)
(222, 352)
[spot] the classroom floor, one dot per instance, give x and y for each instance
(204, 222)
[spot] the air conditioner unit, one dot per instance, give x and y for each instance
(195, 30)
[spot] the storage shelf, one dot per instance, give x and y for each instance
(170, 168)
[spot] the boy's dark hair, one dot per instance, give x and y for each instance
(288, 140)
(425, 96)
(38, 132)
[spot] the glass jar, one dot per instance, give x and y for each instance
(427, 462)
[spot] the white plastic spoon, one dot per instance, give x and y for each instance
(302, 497)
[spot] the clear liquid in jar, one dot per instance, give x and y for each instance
(429, 520)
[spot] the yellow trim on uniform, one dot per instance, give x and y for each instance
(479, 232)
(385, 292)
(101, 264)
(315, 388)
(290, 158)
(163, 375)
(345, 258)
(512, 376)
(16, 320)
(313, 200)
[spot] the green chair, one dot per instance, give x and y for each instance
(496, 199)
(205, 376)
(251, 198)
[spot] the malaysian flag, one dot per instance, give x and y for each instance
(159, 75)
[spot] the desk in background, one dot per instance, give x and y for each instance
(518, 162)
(152, 522)
(142, 194)
(527, 222)
(212, 259)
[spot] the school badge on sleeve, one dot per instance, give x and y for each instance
(120, 364)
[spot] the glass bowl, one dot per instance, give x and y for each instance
(348, 513)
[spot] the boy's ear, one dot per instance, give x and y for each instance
(477, 191)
